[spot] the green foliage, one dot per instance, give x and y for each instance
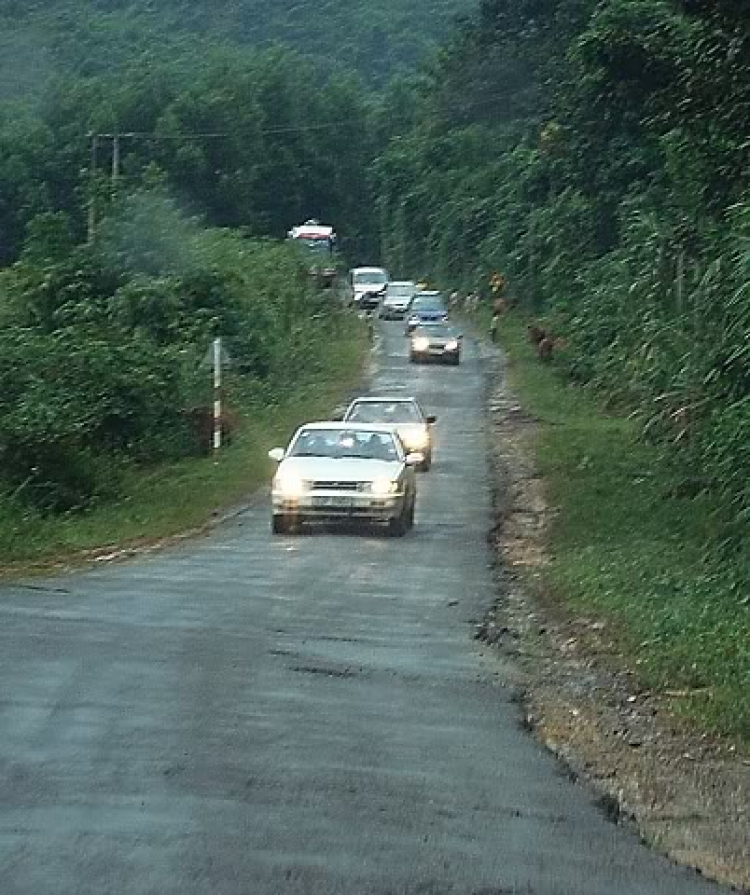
(102, 343)
(627, 544)
(92, 36)
(597, 154)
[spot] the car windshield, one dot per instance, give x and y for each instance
(437, 331)
(385, 412)
(425, 303)
(315, 244)
(371, 277)
(428, 309)
(343, 443)
(401, 290)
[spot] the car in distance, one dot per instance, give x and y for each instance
(368, 285)
(426, 307)
(397, 298)
(435, 341)
(405, 414)
(344, 471)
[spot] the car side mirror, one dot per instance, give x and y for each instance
(431, 420)
(415, 458)
(277, 454)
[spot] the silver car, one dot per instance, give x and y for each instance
(344, 471)
(436, 342)
(398, 296)
(413, 425)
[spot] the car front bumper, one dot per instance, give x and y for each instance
(392, 312)
(368, 301)
(437, 353)
(339, 506)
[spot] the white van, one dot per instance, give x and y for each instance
(367, 285)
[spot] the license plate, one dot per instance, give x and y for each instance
(342, 503)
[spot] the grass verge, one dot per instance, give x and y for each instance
(172, 499)
(624, 549)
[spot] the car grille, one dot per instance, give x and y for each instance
(340, 486)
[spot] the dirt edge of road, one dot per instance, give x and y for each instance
(686, 794)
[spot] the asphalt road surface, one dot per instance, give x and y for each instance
(249, 714)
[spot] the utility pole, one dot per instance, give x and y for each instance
(92, 187)
(115, 157)
(117, 137)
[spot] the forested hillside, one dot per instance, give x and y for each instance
(91, 36)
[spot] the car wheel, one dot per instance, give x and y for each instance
(413, 358)
(398, 527)
(427, 462)
(456, 360)
(410, 514)
(280, 524)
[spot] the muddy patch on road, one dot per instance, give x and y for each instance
(686, 793)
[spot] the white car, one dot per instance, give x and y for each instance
(344, 471)
(398, 296)
(368, 286)
(405, 414)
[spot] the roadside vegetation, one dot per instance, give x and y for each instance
(107, 390)
(119, 268)
(627, 545)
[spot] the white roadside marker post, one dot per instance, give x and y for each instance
(217, 394)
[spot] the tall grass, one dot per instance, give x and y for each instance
(626, 547)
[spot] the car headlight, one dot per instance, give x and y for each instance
(384, 486)
(417, 440)
(452, 345)
(290, 485)
(421, 344)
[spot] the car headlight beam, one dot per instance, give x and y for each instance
(382, 487)
(290, 485)
(416, 440)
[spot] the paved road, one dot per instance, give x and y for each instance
(306, 714)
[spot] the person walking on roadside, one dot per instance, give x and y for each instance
(494, 326)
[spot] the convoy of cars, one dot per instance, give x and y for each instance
(363, 465)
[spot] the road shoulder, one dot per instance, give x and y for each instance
(687, 794)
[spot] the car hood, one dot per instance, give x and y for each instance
(429, 315)
(436, 340)
(413, 435)
(346, 469)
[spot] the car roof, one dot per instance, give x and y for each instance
(345, 427)
(369, 270)
(384, 399)
(403, 283)
(429, 293)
